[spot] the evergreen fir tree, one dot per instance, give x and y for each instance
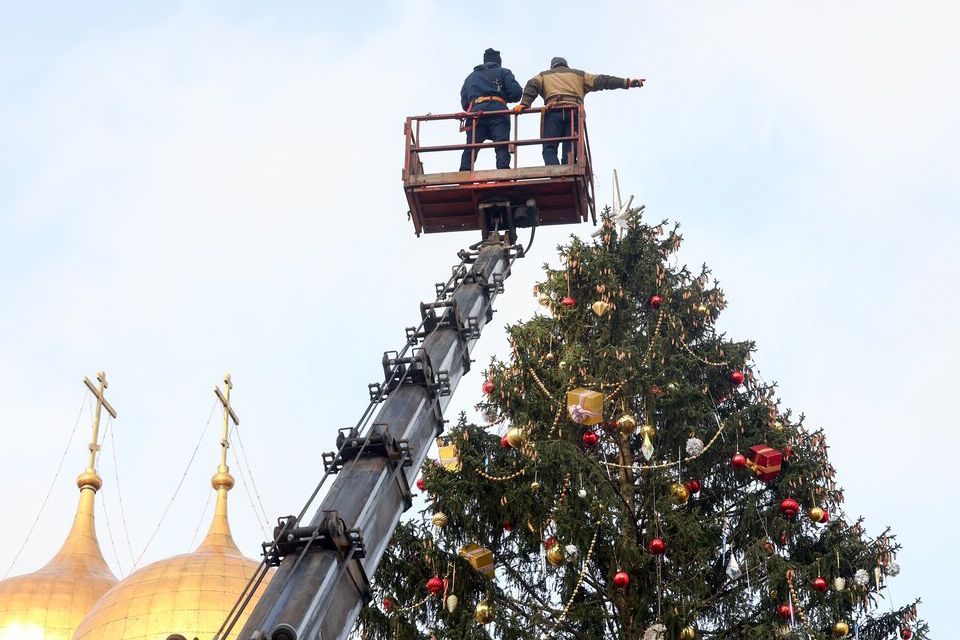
(575, 514)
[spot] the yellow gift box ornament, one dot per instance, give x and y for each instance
(479, 558)
(585, 406)
(448, 456)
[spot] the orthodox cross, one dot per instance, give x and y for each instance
(97, 391)
(228, 415)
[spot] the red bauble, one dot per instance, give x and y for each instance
(693, 486)
(507, 526)
(789, 507)
(906, 634)
(549, 542)
(420, 484)
(488, 387)
(504, 443)
(657, 391)
(820, 584)
(736, 377)
(826, 516)
(657, 546)
(435, 586)
(785, 611)
(739, 461)
(590, 438)
(568, 302)
(621, 579)
(656, 301)
(386, 604)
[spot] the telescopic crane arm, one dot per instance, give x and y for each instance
(325, 564)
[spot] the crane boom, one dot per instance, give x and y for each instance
(325, 565)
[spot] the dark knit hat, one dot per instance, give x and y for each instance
(558, 62)
(491, 55)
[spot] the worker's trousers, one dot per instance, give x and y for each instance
(494, 128)
(558, 123)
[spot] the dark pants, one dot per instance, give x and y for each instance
(494, 128)
(556, 124)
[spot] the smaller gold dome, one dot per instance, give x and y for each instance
(49, 604)
(190, 594)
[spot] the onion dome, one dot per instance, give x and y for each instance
(49, 604)
(189, 594)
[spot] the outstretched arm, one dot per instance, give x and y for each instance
(601, 82)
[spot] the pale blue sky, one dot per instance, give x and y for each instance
(210, 187)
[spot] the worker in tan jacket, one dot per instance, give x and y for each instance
(562, 85)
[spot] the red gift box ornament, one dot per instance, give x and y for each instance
(765, 462)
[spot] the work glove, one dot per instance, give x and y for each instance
(520, 107)
(634, 82)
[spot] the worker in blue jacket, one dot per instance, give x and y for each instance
(489, 88)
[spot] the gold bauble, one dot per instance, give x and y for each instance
(555, 556)
(600, 307)
(778, 426)
(679, 493)
(703, 310)
(535, 485)
(515, 436)
(439, 519)
(484, 612)
(544, 299)
(688, 633)
(627, 424)
(816, 514)
(549, 357)
(841, 629)
(671, 386)
(562, 364)
(648, 430)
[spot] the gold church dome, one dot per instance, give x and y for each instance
(49, 604)
(189, 594)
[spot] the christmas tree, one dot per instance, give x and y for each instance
(634, 480)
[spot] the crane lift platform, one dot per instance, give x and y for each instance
(325, 561)
(491, 199)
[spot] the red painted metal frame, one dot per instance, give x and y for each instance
(450, 201)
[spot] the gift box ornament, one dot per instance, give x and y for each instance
(765, 462)
(448, 456)
(585, 406)
(479, 558)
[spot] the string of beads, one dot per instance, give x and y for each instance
(576, 589)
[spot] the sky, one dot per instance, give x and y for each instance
(194, 188)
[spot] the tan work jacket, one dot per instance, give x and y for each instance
(563, 85)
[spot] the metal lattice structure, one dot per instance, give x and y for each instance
(325, 563)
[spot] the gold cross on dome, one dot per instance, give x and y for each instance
(228, 415)
(97, 391)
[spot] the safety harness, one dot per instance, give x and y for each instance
(468, 122)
